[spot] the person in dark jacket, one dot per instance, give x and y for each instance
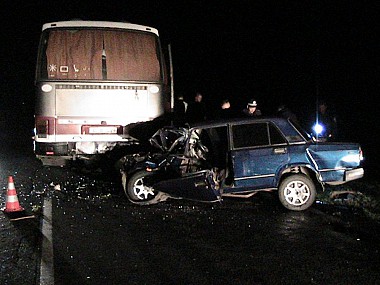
(196, 111)
(251, 110)
(179, 111)
(225, 111)
(284, 112)
(326, 120)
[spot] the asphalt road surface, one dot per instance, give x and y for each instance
(77, 228)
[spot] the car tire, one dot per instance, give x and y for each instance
(297, 192)
(138, 191)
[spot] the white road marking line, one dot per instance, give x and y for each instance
(47, 257)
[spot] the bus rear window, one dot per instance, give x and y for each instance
(93, 54)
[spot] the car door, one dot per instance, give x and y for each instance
(259, 151)
(202, 185)
(199, 186)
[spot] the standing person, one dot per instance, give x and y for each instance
(225, 111)
(251, 110)
(179, 111)
(196, 111)
(285, 112)
(325, 123)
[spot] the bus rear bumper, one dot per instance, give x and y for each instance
(49, 160)
(59, 154)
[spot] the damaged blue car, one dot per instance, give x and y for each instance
(238, 158)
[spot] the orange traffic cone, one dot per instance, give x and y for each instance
(12, 204)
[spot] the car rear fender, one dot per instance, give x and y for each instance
(334, 156)
(305, 169)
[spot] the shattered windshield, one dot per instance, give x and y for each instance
(170, 139)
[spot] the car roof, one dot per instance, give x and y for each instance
(223, 122)
(289, 130)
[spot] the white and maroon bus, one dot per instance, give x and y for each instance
(93, 80)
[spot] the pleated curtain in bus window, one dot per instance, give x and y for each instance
(75, 54)
(131, 56)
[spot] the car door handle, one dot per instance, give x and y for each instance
(280, 150)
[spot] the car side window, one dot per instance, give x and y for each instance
(275, 135)
(257, 134)
(249, 135)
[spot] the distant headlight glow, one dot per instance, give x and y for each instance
(318, 129)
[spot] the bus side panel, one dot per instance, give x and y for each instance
(121, 106)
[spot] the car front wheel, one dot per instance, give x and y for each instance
(297, 192)
(138, 188)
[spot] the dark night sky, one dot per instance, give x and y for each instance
(273, 51)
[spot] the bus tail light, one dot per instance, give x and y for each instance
(42, 127)
(361, 156)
